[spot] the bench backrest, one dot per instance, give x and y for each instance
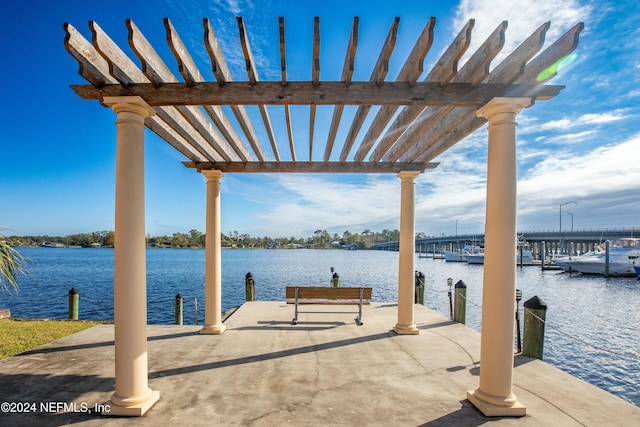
(327, 292)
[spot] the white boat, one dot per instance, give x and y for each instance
(459, 255)
(524, 256)
(475, 258)
(622, 254)
(52, 245)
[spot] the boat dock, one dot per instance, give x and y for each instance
(325, 370)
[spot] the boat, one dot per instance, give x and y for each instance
(459, 255)
(523, 254)
(637, 269)
(475, 258)
(52, 245)
(622, 256)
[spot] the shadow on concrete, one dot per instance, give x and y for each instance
(269, 356)
(51, 402)
(520, 360)
(49, 349)
(435, 325)
(467, 415)
(287, 326)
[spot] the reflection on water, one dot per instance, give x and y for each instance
(591, 321)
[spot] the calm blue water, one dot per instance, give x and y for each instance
(592, 322)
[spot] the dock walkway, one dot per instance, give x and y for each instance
(263, 371)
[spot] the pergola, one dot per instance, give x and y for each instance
(434, 114)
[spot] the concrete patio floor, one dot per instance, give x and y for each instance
(324, 371)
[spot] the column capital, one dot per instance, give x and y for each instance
(212, 174)
(408, 175)
(129, 104)
(503, 105)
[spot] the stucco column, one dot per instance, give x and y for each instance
(132, 396)
(494, 396)
(213, 258)
(407, 249)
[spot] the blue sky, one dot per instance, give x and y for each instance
(57, 151)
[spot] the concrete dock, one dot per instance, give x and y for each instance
(325, 370)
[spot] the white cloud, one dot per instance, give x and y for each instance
(598, 175)
(556, 124)
(524, 17)
(314, 202)
(571, 137)
(567, 123)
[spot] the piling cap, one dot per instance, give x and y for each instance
(178, 296)
(73, 291)
(535, 303)
(460, 284)
(248, 275)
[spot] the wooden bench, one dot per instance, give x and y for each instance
(328, 295)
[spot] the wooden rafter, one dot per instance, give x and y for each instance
(441, 73)
(347, 73)
(223, 75)
(253, 78)
(126, 72)
(315, 78)
(467, 122)
(283, 68)
(378, 75)
(474, 71)
(410, 73)
(158, 73)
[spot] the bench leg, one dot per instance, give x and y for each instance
(359, 318)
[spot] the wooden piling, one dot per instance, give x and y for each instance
(460, 311)
(419, 292)
(250, 287)
(535, 313)
(74, 298)
(179, 302)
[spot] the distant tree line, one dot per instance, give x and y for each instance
(321, 239)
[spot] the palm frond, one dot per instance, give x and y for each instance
(12, 265)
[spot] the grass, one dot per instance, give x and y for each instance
(18, 336)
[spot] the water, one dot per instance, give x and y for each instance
(591, 331)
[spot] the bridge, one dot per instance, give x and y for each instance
(564, 241)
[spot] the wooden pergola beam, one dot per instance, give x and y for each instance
(347, 74)
(441, 73)
(252, 73)
(378, 74)
(223, 75)
(312, 167)
(474, 71)
(324, 93)
(410, 72)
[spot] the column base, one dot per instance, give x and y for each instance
(406, 329)
(137, 410)
(509, 408)
(213, 329)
